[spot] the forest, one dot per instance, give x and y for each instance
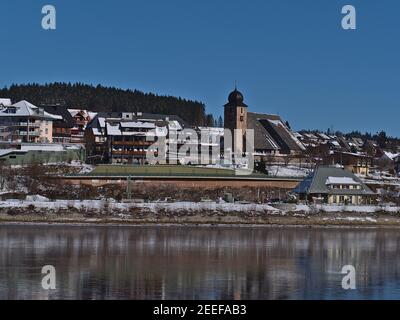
(109, 99)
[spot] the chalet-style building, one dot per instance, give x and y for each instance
(354, 162)
(81, 119)
(25, 122)
(61, 127)
(386, 160)
(334, 185)
(271, 134)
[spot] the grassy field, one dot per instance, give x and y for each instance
(164, 170)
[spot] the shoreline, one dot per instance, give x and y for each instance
(322, 220)
(37, 210)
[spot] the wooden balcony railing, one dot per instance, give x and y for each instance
(132, 143)
(128, 153)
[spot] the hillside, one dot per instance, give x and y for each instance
(105, 99)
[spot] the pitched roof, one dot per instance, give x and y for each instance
(138, 124)
(390, 155)
(113, 130)
(67, 121)
(316, 182)
(270, 133)
(282, 135)
(99, 120)
(341, 180)
(262, 139)
(26, 109)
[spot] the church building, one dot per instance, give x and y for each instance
(272, 136)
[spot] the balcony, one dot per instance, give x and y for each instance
(128, 153)
(25, 133)
(132, 143)
(25, 124)
(81, 123)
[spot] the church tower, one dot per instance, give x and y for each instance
(235, 117)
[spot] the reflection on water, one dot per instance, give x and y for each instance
(198, 262)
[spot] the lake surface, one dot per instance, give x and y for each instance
(198, 262)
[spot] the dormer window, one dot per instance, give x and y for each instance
(11, 110)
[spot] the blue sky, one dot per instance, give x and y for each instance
(289, 57)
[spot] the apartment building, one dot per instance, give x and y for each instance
(25, 122)
(129, 138)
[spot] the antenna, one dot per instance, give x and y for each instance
(235, 85)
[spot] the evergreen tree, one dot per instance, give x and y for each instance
(220, 122)
(382, 139)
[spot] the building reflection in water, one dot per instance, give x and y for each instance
(198, 262)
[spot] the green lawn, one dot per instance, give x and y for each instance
(161, 170)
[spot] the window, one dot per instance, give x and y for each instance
(241, 118)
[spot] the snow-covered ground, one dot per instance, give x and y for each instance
(209, 206)
(37, 202)
(324, 208)
(288, 171)
(380, 177)
(84, 168)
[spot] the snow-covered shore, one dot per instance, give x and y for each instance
(348, 208)
(40, 209)
(37, 203)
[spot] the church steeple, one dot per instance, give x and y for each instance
(236, 98)
(235, 118)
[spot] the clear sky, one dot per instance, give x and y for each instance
(289, 57)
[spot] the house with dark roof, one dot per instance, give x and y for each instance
(357, 163)
(334, 185)
(81, 118)
(271, 134)
(386, 160)
(61, 127)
